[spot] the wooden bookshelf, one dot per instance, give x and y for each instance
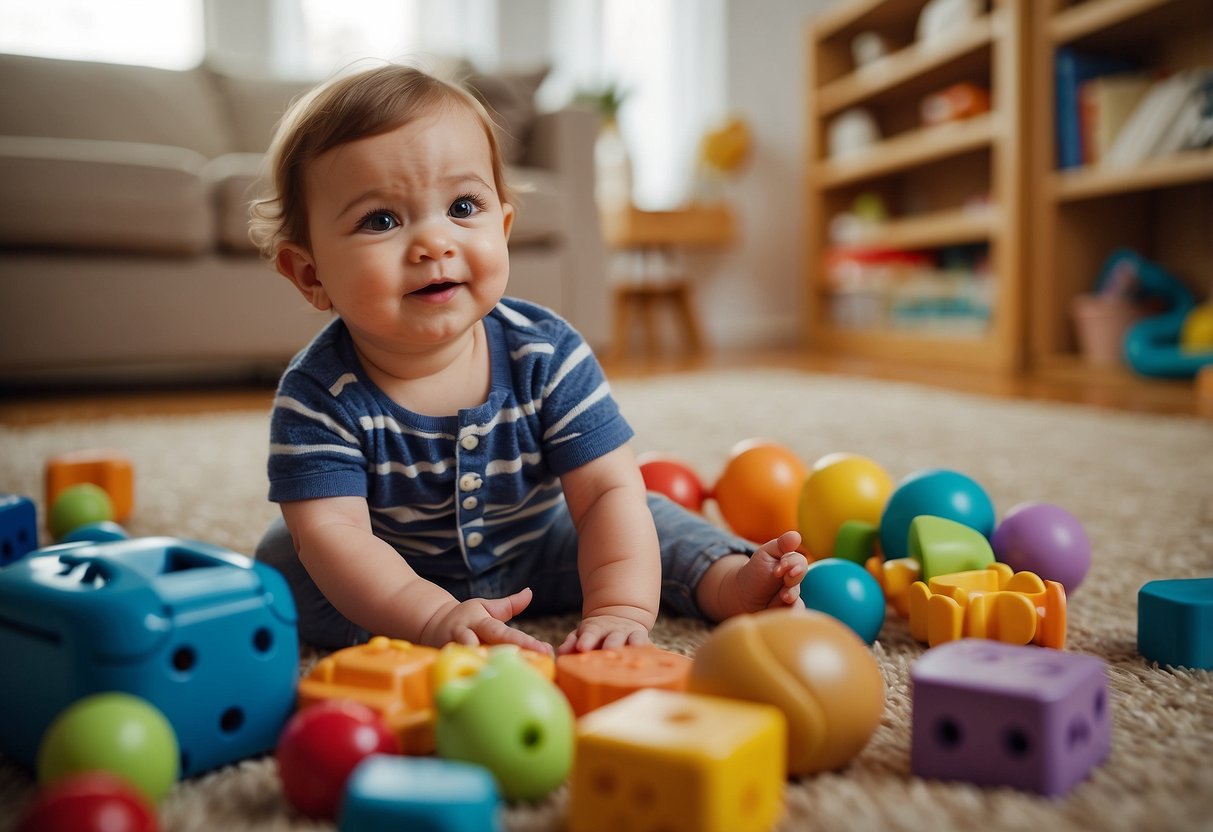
(928, 177)
(1162, 207)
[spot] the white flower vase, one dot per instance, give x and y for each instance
(612, 170)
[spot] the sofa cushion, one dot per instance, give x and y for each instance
(510, 98)
(236, 179)
(255, 105)
(100, 195)
(114, 102)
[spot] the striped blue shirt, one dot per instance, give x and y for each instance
(453, 494)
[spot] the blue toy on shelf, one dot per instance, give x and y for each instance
(1152, 345)
(204, 634)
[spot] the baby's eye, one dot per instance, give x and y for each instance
(378, 221)
(464, 207)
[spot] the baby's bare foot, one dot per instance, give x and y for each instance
(768, 578)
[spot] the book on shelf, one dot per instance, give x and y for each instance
(1105, 104)
(1072, 68)
(1172, 116)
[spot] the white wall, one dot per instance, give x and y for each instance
(754, 293)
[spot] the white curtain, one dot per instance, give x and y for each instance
(670, 57)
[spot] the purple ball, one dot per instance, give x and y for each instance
(1044, 539)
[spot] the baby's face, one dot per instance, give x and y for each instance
(409, 233)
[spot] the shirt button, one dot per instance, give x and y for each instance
(469, 482)
(470, 442)
(470, 503)
(474, 539)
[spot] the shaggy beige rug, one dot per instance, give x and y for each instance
(1142, 486)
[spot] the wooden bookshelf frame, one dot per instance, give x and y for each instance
(1162, 207)
(991, 50)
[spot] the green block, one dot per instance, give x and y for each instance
(944, 546)
(856, 541)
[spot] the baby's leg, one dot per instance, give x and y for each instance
(770, 577)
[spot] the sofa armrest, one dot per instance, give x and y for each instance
(93, 194)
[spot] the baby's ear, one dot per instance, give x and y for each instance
(508, 213)
(295, 263)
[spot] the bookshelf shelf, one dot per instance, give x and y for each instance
(1161, 206)
(918, 66)
(1092, 182)
(927, 177)
(941, 228)
(917, 147)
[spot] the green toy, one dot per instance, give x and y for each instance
(79, 505)
(945, 547)
(511, 720)
(115, 732)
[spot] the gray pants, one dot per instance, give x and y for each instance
(689, 545)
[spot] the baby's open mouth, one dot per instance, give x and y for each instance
(435, 288)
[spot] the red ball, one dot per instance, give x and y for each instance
(673, 478)
(321, 745)
(95, 801)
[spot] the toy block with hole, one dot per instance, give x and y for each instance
(993, 603)
(1175, 622)
(659, 759)
(388, 793)
(397, 679)
(204, 634)
(18, 528)
(109, 469)
(1000, 714)
(599, 677)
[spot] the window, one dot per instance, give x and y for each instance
(667, 55)
(162, 33)
(318, 38)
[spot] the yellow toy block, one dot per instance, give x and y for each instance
(992, 603)
(397, 680)
(895, 578)
(681, 762)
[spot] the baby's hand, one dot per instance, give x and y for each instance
(482, 621)
(606, 632)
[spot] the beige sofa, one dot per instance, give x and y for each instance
(123, 221)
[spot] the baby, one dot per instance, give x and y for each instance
(445, 457)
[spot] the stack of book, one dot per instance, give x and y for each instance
(1112, 113)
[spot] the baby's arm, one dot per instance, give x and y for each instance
(368, 582)
(618, 557)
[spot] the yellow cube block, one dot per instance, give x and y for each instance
(681, 762)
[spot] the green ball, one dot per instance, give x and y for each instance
(79, 505)
(114, 732)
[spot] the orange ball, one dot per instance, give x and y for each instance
(759, 491)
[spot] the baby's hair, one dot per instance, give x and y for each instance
(348, 108)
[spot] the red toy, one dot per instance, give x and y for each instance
(95, 801)
(320, 747)
(759, 491)
(673, 478)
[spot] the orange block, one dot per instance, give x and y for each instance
(599, 677)
(109, 469)
(395, 679)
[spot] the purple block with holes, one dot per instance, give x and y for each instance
(1000, 714)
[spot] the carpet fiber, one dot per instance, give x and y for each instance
(1141, 485)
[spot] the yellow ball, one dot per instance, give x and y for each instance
(1197, 332)
(840, 487)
